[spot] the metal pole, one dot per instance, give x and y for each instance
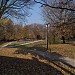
(47, 36)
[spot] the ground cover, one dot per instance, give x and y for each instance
(18, 54)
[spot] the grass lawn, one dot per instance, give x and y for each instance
(67, 50)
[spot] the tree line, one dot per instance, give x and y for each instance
(10, 31)
(60, 14)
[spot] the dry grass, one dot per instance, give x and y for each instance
(67, 50)
(10, 52)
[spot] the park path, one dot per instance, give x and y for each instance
(6, 44)
(31, 42)
(21, 44)
(55, 57)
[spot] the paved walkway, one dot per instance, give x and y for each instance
(56, 57)
(6, 44)
(31, 42)
(21, 44)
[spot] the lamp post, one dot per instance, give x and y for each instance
(47, 35)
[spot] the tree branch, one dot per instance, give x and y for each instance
(45, 4)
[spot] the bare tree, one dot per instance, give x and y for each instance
(61, 19)
(14, 8)
(46, 3)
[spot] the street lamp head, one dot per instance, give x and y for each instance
(47, 24)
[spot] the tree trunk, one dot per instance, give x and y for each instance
(0, 15)
(63, 38)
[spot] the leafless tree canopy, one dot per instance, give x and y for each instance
(62, 21)
(49, 2)
(14, 8)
